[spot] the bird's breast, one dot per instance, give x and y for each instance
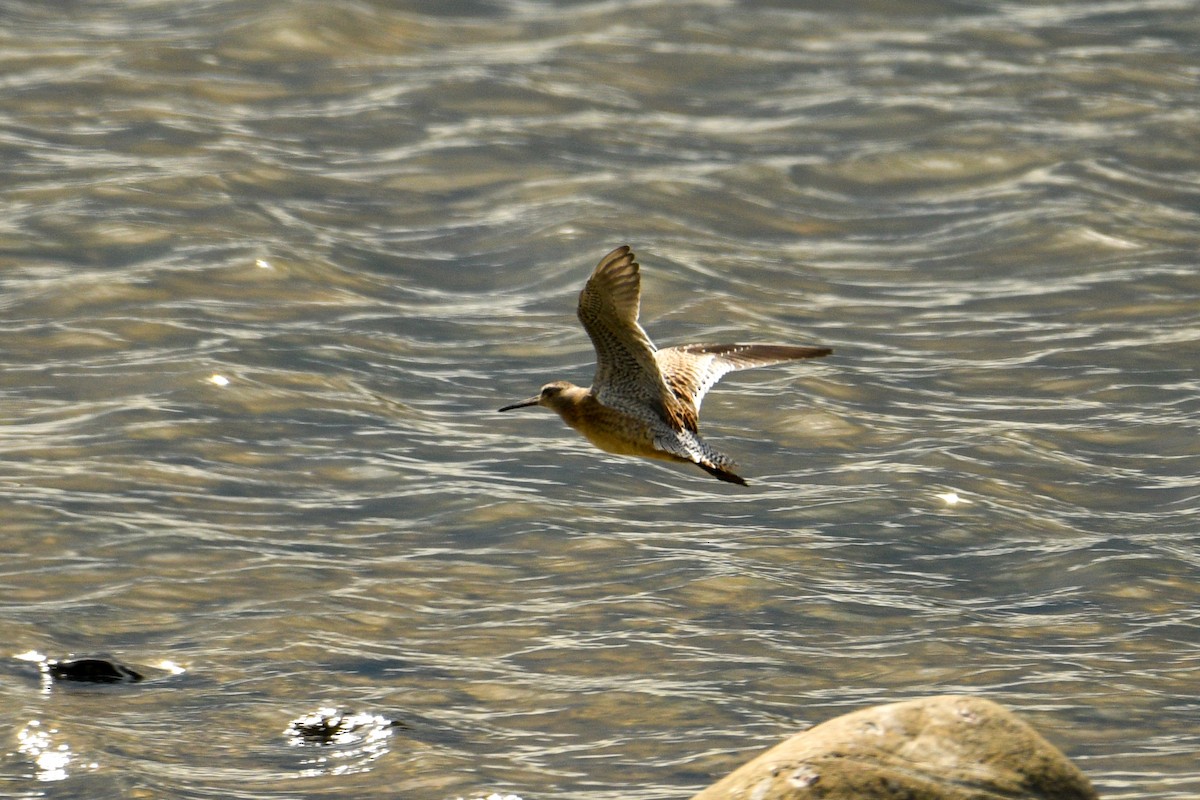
(613, 430)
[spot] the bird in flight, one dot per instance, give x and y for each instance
(644, 401)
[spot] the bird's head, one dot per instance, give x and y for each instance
(551, 396)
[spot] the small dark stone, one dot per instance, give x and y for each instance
(92, 670)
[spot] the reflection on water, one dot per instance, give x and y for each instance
(41, 746)
(265, 272)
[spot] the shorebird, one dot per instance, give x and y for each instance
(644, 401)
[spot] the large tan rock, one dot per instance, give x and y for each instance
(937, 748)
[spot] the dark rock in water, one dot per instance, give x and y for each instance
(937, 748)
(91, 670)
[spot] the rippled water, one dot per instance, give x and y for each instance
(267, 270)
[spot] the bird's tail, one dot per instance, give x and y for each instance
(716, 463)
(687, 446)
(721, 474)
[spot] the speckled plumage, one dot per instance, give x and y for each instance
(644, 401)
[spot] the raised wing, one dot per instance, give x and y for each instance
(626, 372)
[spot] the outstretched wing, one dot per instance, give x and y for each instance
(626, 372)
(690, 370)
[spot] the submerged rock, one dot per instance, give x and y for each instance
(348, 741)
(327, 726)
(937, 748)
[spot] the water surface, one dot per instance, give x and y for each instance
(266, 272)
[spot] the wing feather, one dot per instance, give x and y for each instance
(690, 370)
(627, 374)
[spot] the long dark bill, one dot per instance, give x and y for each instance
(533, 401)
